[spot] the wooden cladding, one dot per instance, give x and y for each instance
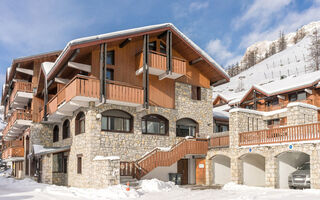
(78, 86)
(15, 151)
(119, 91)
(306, 132)
(159, 61)
(20, 86)
(17, 115)
(222, 141)
(157, 158)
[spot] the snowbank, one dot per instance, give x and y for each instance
(106, 158)
(155, 185)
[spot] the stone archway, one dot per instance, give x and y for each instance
(253, 169)
(221, 169)
(287, 163)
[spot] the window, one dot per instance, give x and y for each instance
(116, 121)
(110, 57)
(298, 96)
(273, 101)
(110, 74)
(80, 123)
(55, 133)
(66, 129)
(153, 46)
(154, 124)
(79, 164)
(221, 127)
(293, 97)
(163, 48)
(195, 93)
(60, 162)
(273, 123)
(186, 127)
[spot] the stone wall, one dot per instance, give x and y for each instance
(105, 172)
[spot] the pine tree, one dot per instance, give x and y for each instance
(282, 43)
(314, 50)
(272, 49)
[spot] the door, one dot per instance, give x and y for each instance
(200, 171)
(183, 169)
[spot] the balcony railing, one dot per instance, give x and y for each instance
(78, 86)
(158, 60)
(15, 151)
(20, 86)
(16, 115)
(119, 91)
(306, 132)
(220, 141)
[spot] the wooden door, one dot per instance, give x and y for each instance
(200, 171)
(183, 169)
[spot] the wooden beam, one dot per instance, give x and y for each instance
(162, 35)
(308, 91)
(163, 75)
(62, 80)
(192, 62)
(80, 66)
(25, 71)
(281, 97)
(125, 42)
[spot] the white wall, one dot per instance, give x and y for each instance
(253, 170)
(221, 170)
(161, 173)
(191, 171)
(288, 163)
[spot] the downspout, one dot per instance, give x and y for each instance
(105, 71)
(169, 53)
(146, 71)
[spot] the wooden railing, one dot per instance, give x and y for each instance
(159, 60)
(16, 115)
(78, 86)
(20, 86)
(222, 141)
(158, 157)
(120, 91)
(14, 151)
(297, 133)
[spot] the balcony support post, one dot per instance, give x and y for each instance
(102, 73)
(45, 98)
(255, 99)
(169, 52)
(146, 71)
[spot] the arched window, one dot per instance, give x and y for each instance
(155, 124)
(66, 129)
(80, 123)
(116, 121)
(55, 133)
(186, 127)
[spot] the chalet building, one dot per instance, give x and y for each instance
(129, 104)
(273, 129)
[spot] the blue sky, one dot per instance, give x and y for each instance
(224, 28)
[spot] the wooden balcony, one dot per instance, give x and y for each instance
(299, 133)
(122, 93)
(219, 142)
(158, 63)
(21, 94)
(17, 123)
(12, 152)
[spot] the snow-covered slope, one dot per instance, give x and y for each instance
(293, 61)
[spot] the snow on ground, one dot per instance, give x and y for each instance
(11, 189)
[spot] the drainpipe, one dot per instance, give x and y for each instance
(169, 52)
(146, 71)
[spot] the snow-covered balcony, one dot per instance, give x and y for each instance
(157, 65)
(20, 95)
(17, 123)
(10, 153)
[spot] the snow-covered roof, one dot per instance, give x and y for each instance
(41, 150)
(46, 67)
(221, 115)
(136, 31)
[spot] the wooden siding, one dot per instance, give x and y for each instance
(20, 86)
(222, 141)
(16, 115)
(123, 92)
(306, 132)
(16, 151)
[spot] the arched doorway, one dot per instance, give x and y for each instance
(253, 169)
(221, 169)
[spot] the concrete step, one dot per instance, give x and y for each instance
(132, 181)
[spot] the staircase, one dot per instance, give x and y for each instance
(133, 182)
(162, 158)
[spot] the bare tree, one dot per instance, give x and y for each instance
(272, 49)
(300, 34)
(314, 50)
(282, 43)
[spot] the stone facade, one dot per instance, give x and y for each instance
(128, 146)
(243, 120)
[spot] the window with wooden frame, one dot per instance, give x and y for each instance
(116, 121)
(66, 129)
(79, 164)
(163, 48)
(55, 136)
(110, 74)
(298, 96)
(195, 93)
(153, 46)
(110, 58)
(155, 124)
(80, 123)
(60, 162)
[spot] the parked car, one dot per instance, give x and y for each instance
(300, 178)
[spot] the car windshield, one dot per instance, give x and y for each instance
(305, 166)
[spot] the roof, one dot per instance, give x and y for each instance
(288, 84)
(129, 32)
(39, 150)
